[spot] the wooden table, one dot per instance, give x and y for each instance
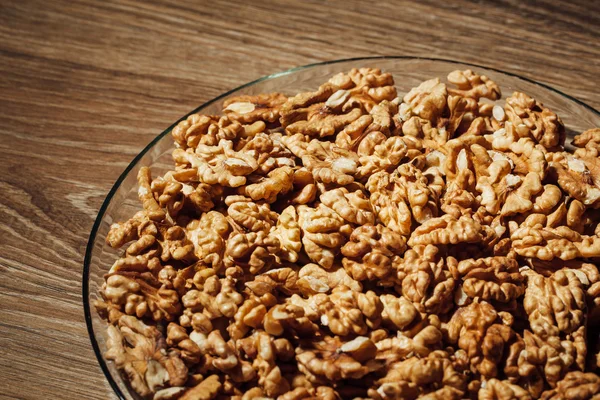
(86, 84)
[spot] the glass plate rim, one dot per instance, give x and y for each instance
(133, 163)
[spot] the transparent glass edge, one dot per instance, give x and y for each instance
(139, 156)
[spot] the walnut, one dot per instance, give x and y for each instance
(196, 195)
(420, 377)
(139, 351)
(170, 195)
(283, 279)
(461, 112)
(250, 216)
(423, 129)
(377, 153)
(353, 135)
(124, 232)
(329, 163)
(108, 311)
(549, 199)
(373, 252)
(588, 143)
(249, 109)
(135, 296)
(366, 86)
(217, 298)
(403, 346)
(575, 385)
(288, 233)
(252, 251)
(204, 129)
(208, 235)
(593, 294)
(426, 279)
(466, 153)
(170, 393)
(521, 193)
(304, 188)
(447, 230)
(315, 279)
(345, 311)
(319, 113)
(297, 144)
(556, 356)
(218, 164)
(544, 126)
(446, 392)
(418, 191)
(141, 256)
(205, 390)
(255, 250)
(278, 181)
(393, 194)
(334, 360)
(385, 199)
(321, 233)
(153, 210)
(492, 278)
(178, 337)
(521, 371)
(556, 304)
(502, 390)
(398, 311)
(527, 156)
(470, 84)
(265, 352)
(354, 207)
(288, 318)
(250, 315)
(579, 177)
(379, 123)
(221, 356)
(476, 329)
(549, 243)
(269, 152)
(427, 100)
(176, 246)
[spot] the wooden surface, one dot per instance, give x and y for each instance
(85, 85)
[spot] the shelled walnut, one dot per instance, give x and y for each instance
(348, 243)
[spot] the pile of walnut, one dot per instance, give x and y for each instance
(348, 243)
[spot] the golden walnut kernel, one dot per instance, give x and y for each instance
(218, 164)
(544, 126)
(555, 304)
(478, 329)
(373, 252)
(204, 129)
(366, 86)
(321, 233)
(426, 279)
(502, 390)
(345, 243)
(334, 360)
(575, 385)
(469, 84)
(249, 109)
(318, 114)
(427, 100)
(492, 278)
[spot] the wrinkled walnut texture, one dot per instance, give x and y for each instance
(439, 245)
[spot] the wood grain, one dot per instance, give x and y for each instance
(86, 84)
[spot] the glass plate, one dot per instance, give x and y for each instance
(122, 200)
